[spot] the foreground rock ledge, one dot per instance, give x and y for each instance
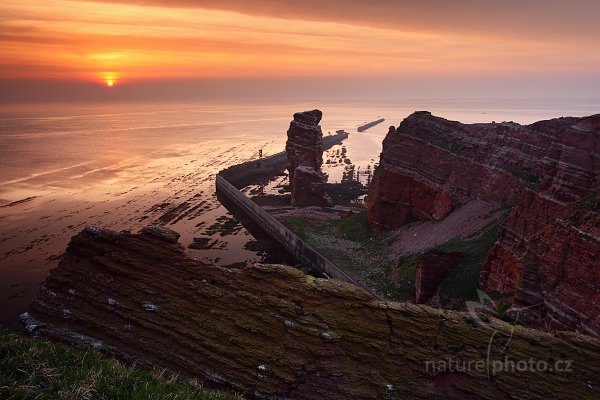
(271, 331)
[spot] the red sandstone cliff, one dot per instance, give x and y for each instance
(548, 250)
(304, 149)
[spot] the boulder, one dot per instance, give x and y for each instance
(309, 188)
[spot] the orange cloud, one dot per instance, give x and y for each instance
(513, 18)
(75, 39)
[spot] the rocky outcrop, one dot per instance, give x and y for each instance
(396, 199)
(432, 269)
(547, 255)
(309, 188)
(304, 148)
(430, 165)
(548, 248)
(269, 331)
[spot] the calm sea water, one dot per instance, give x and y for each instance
(123, 166)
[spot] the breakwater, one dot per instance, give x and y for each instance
(369, 124)
(239, 174)
(229, 180)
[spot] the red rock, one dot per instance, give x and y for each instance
(548, 256)
(433, 268)
(548, 251)
(304, 148)
(430, 165)
(269, 331)
(396, 199)
(309, 188)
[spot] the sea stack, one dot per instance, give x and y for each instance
(304, 149)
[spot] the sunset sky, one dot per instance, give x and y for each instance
(137, 42)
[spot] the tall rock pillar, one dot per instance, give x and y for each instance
(304, 149)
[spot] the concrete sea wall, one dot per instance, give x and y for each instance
(269, 165)
(369, 125)
(225, 183)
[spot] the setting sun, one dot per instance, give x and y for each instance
(109, 78)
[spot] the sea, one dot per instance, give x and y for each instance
(124, 166)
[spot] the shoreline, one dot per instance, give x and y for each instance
(302, 251)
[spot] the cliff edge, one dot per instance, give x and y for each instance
(271, 331)
(548, 247)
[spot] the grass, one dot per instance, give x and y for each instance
(31, 368)
(352, 245)
(461, 284)
(356, 228)
(300, 226)
(404, 289)
(451, 145)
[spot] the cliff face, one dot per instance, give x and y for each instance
(304, 148)
(430, 165)
(273, 332)
(548, 256)
(548, 247)
(432, 268)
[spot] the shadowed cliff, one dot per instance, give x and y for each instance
(546, 173)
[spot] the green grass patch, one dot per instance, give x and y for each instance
(357, 228)
(351, 244)
(300, 226)
(401, 286)
(451, 145)
(31, 368)
(399, 283)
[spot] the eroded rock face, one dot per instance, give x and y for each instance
(430, 165)
(548, 172)
(309, 188)
(432, 269)
(304, 149)
(548, 255)
(272, 332)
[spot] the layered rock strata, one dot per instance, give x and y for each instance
(270, 331)
(304, 148)
(548, 255)
(548, 173)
